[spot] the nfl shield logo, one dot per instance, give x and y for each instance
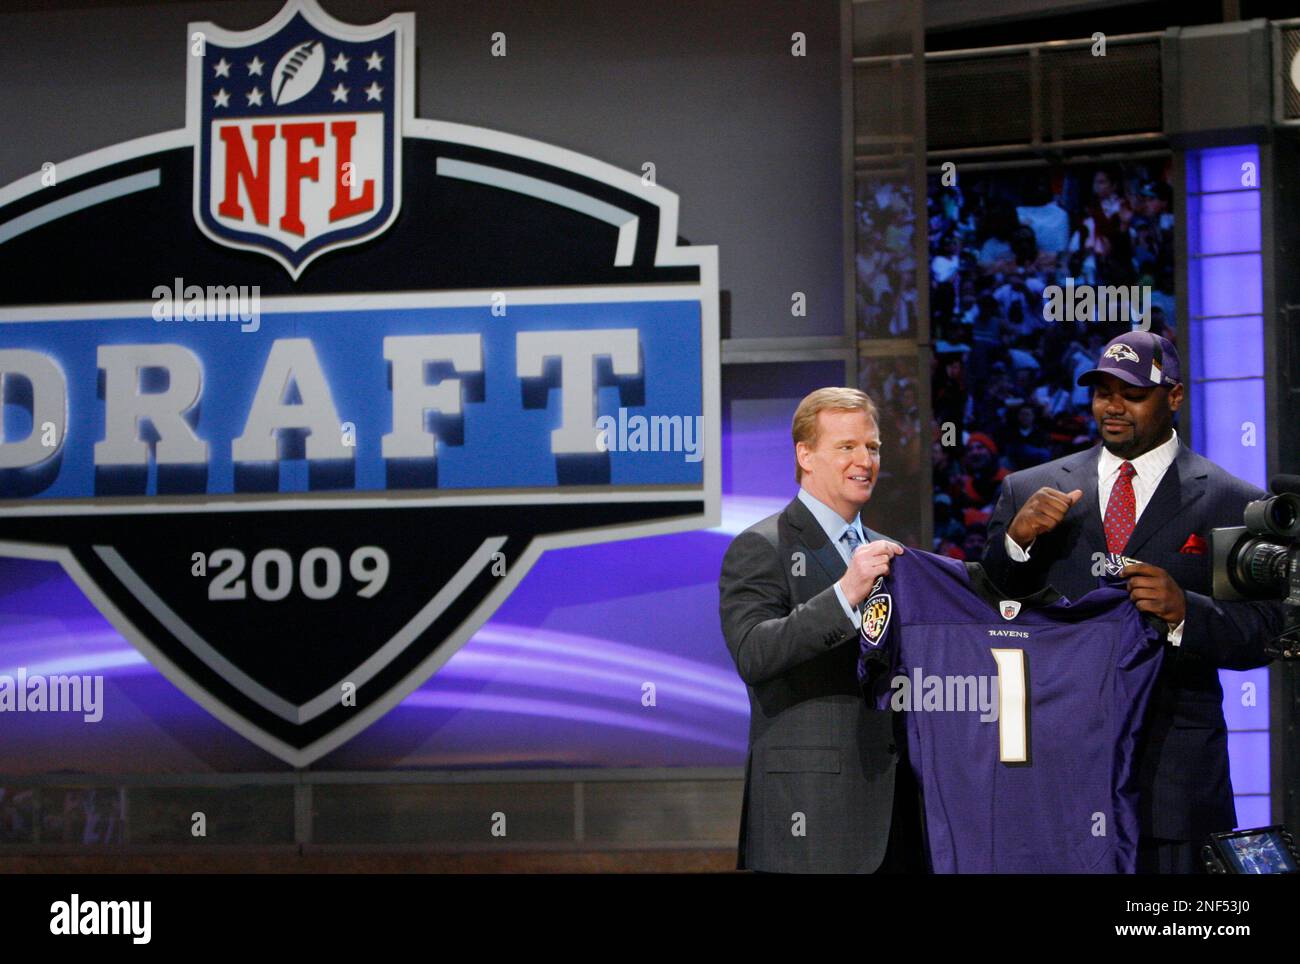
(1010, 608)
(298, 126)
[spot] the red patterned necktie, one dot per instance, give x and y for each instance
(1121, 510)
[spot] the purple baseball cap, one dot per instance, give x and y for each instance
(1140, 358)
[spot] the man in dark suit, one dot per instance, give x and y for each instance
(820, 777)
(1145, 495)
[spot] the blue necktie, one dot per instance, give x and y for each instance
(850, 539)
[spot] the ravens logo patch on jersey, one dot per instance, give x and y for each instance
(875, 618)
(1115, 563)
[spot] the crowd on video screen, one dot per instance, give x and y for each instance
(1002, 374)
(885, 289)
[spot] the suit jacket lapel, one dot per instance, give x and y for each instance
(815, 540)
(1081, 473)
(1183, 483)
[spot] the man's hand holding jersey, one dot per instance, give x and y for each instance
(1154, 591)
(869, 563)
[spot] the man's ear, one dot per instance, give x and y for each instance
(803, 455)
(1176, 395)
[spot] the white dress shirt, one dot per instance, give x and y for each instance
(834, 526)
(1150, 468)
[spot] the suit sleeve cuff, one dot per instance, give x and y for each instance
(1015, 552)
(848, 610)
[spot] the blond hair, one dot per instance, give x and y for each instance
(804, 427)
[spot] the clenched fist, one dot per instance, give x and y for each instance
(869, 563)
(1041, 513)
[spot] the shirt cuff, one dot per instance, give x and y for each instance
(1015, 552)
(848, 610)
(1176, 634)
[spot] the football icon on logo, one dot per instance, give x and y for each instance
(298, 72)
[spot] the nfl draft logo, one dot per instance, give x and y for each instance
(299, 126)
(299, 521)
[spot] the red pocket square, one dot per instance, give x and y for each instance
(1194, 546)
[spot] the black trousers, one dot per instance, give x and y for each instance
(1156, 856)
(906, 851)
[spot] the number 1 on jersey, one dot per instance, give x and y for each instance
(1012, 690)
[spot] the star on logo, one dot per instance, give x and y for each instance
(374, 61)
(340, 94)
(341, 62)
(222, 68)
(373, 91)
(254, 98)
(255, 67)
(221, 98)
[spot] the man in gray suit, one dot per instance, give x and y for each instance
(1144, 494)
(820, 779)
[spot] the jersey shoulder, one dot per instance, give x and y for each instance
(919, 580)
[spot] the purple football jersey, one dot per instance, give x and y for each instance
(1022, 714)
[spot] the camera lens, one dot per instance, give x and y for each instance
(1281, 515)
(1260, 567)
(1277, 515)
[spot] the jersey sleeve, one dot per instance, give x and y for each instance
(1144, 635)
